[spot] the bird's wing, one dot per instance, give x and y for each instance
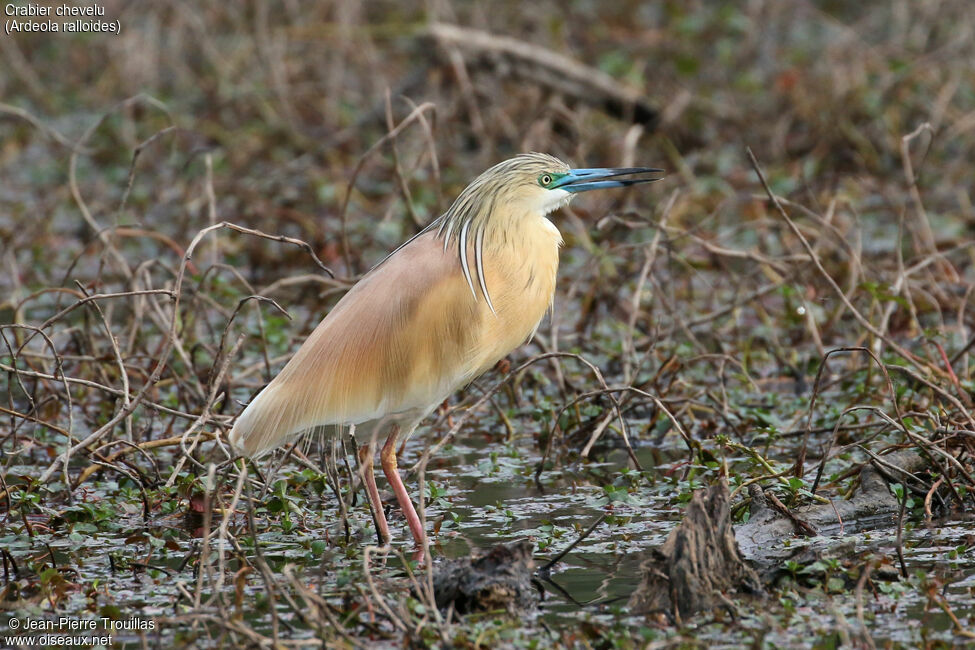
(402, 338)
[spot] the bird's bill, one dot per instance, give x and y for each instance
(583, 180)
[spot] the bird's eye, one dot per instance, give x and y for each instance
(545, 180)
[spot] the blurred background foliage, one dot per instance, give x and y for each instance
(288, 95)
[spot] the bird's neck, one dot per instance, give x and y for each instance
(509, 254)
(526, 237)
(524, 254)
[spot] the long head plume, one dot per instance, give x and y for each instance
(471, 213)
(531, 184)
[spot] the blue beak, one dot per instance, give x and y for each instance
(583, 180)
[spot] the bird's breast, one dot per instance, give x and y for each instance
(520, 270)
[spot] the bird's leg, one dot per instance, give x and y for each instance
(388, 459)
(366, 454)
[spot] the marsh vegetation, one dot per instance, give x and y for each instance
(181, 204)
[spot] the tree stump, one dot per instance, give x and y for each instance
(698, 564)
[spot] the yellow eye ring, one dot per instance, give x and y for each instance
(544, 180)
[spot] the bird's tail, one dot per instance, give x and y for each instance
(267, 422)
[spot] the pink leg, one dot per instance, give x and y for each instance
(388, 460)
(366, 453)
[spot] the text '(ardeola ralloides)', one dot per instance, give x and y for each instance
(435, 314)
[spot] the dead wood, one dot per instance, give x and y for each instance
(698, 564)
(512, 57)
(873, 506)
(704, 558)
(499, 580)
(447, 45)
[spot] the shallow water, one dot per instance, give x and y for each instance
(483, 492)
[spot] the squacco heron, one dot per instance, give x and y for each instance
(428, 319)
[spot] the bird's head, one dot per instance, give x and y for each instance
(525, 187)
(537, 183)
